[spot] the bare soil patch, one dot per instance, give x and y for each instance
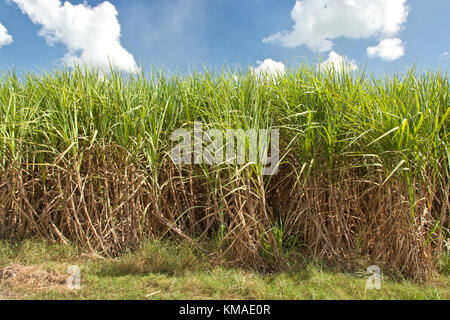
(17, 276)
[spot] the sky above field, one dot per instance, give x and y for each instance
(268, 35)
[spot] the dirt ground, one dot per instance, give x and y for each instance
(15, 276)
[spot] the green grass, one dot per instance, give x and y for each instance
(177, 272)
(364, 174)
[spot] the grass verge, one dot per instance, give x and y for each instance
(163, 270)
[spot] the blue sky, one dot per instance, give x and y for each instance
(178, 35)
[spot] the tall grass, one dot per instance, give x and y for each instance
(364, 175)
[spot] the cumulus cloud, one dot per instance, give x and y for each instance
(91, 34)
(389, 50)
(318, 22)
(269, 68)
(5, 38)
(338, 63)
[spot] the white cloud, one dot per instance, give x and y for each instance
(319, 22)
(269, 68)
(388, 49)
(444, 56)
(338, 63)
(5, 38)
(91, 34)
